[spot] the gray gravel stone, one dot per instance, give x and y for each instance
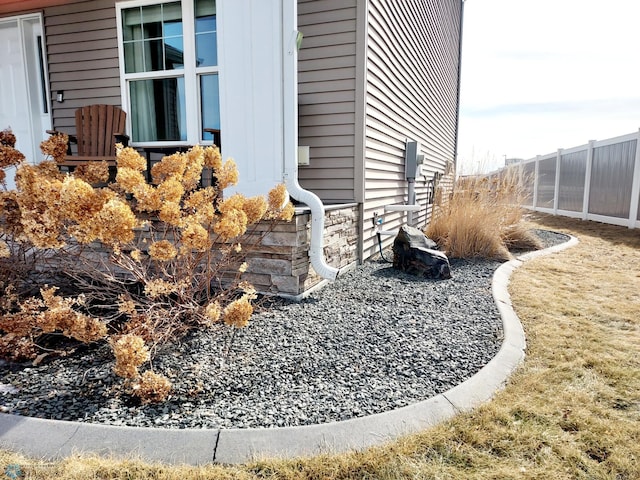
(375, 340)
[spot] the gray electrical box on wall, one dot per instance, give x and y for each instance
(412, 158)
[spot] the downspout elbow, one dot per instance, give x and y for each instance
(316, 254)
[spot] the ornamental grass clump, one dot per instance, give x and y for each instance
(482, 218)
(139, 262)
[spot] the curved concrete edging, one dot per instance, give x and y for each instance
(53, 439)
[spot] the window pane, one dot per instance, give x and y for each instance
(153, 38)
(205, 8)
(174, 53)
(132, 24)
(206, 28)
(206, 24)
(158, 110)
(152, 21)
(206, 50)
(210, 104)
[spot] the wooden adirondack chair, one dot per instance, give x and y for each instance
(98, 129)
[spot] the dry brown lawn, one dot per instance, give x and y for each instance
(572, 411)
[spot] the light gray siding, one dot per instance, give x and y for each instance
(411, 93)
(82, 50)
(326, 97)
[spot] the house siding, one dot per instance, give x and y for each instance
(82, 51)
(412, 77)
(327, 97)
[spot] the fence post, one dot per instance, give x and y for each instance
(635, 188)
(587, 180)
(556, 187)
(535, 182)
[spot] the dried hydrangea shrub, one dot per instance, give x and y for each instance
(130, 352)
(151, 387)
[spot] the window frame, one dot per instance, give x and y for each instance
(190, 73)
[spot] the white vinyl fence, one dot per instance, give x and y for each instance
(598, 181)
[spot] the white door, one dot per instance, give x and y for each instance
(24, 104)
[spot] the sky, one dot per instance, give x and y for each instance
(538, 75)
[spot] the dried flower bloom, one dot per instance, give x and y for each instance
(255, 209)
(60, 316)
(238, 248)
(56, 146)
(170, 166)
(243, 267)
(152, 387)
(127, 157)
(147, 197)
(4, 250)
(129, 179)
(212, 312)
(130, 352)
(278, 195)
(93, 172)
(212, 157)
(18, 348)
(234, 202)
(193, 171)
(136, 255)
(18, 324)
(231, 224)
(171, 214)
(51, 300)
(9, 298)
(7, 138)
(85, 232)
(126, 305)
(162, 250)
(170, 190)
(195, 237)
(279, 206)
(238, 312)
(159, 288)
(200, 203)
(203, 196)
(117, 222)
(38, 199)
(86, 329)
(49, 169)
(233, 219)
(9, 156)
(79, 201)
(227, 174)
(287, 212)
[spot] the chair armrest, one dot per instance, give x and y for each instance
(122, 138)
(215, 132)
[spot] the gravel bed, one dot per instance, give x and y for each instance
(374, 340)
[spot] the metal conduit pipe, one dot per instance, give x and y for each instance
(411, 199)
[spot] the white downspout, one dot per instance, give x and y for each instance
(316, 254)
(290, 139)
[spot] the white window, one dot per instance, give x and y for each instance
(169, 70)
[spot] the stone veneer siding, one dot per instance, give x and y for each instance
(279, 263)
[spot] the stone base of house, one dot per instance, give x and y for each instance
(277, 254)
(279, 262)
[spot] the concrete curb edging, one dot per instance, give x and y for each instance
(54, 439)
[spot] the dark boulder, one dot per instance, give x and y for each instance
(414, 253)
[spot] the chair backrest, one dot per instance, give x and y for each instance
(95, 127)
